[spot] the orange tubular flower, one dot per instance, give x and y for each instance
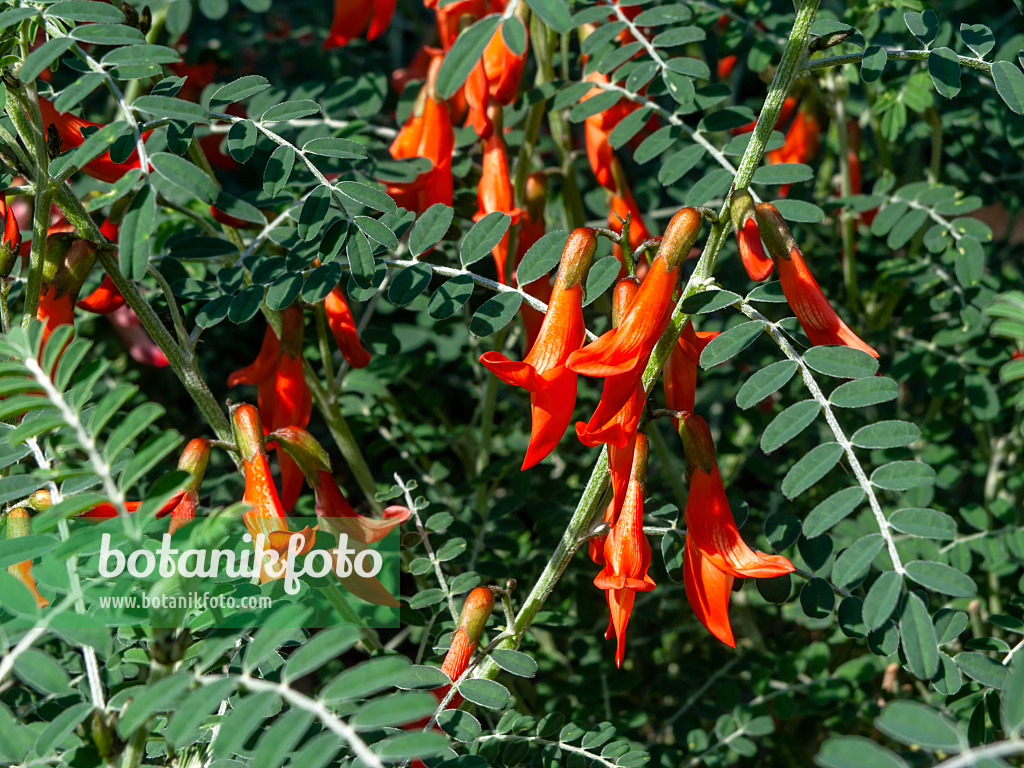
(450, 16)
(755, 260)
(339, 517)
(11, 246)
(531, 229)
(67, 263)
(343, 328)
(182, 505)
(475, 612)
(620, 463)
(352, 17)
(552, 385)
(680, 379)
(494, 193)
(503, 69)
(801, 143)
(428, 134)
(628, 346)
(816, 315)
(266, 517)
(788, 107)
(104, 300)
(610, 424)
(18, 525)
(627, 554)
(715, 552)
(71, 131)
(726, 64)
(283, 395)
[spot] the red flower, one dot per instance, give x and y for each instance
(715, 551)
(338, 516)
(552, 385)
(816, 315)
(627, 554)
(283, 395)
(352, 17)
(71, 132)
(726, 64)
(788, 107)
(531, 229)
(748, 238)
(680, 379)
(494, 193)
(618, 350)
(494, 80)
(343, 328)
(18, 524)
(104, 300)
(801, 143)
(140, 346)
(450, 16)
(620, 462)
(622, 399)
(428, 134)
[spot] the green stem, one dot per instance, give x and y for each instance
(33, 135)
(343, 437)
(847, 222)
(588, 507)
(572, 202)
(182, 362)
(341, 604)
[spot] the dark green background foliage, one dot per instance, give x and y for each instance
(853, 660)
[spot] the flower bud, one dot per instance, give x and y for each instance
(697, 444)
(577, 256)
(679, 237)
(755, 261)
(774, 231)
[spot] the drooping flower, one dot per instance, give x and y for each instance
(332, 508)
(266, 516)
(18, 525)
(627, 554)
(472, 620)
(494, 80)
(680, 377)
(620, 463)
(786, 112)
(494, 193)
(543, 373)
(343, 328)
(452, 16)
(817, 317)
(748, 238)
(66, 264)
(140, 346)
(283, 394)
(621, 354)
(10, 247)
(427, 133)
(72, 132)
(353, 17)
(715, 551)
(801, 143)
(531, 229)
(181, 506)
(611, 422)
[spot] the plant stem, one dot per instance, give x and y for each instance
(587, 508)
(182, 362)
(847, 220)
(343, 437)
(572, 202)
